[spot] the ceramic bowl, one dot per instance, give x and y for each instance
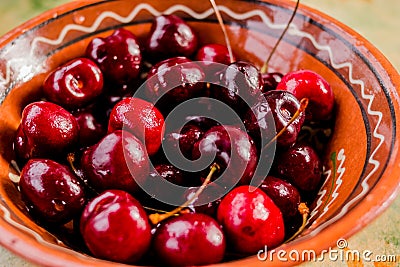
(361, 163)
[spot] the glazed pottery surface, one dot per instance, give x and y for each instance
(361, 162)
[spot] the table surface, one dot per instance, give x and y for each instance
(377, 20)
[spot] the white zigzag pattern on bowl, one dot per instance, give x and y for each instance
(340, 170)
(293, 30)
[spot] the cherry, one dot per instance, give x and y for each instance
(202, 122)
(51, 191)
(118, 56)
(311, 85)
(189, 239)
(46, 130)
(141, 118)
(117, 161)
(115, 227)
(74, 84)
(284, 195)
(250, 220)
(185, 138)
(173, 81)
(90, 129)
(234, 150)
(301, 166)
(170, 36)
(169, 173)
(207, 196)
(213, 53)
(240, 86)
(271, 80)
(283, 106)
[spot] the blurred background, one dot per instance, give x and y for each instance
(377, 20)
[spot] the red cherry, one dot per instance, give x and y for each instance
(141, 118)
(117, 55)
(46, 130)
(117, 161)
(189, 239)
(170, 36)
(250, 220)
(115, 227)
(301, 166)
(74, 84)
(51, 191)
(213, 53)
(311, 85)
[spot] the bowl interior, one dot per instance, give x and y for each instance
(358, 163)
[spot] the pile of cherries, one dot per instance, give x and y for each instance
(87, 146)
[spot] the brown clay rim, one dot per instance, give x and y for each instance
(379, 198)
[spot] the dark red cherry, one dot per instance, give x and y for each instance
(175, 80)
(169, 172)
(118, 56)
(240, 86)
(284, 106)
(74, 84)
(90, 129)
(189, 239)
(311, 85)
(234, 150)
(202, 122)
(213, 53)
(46, 130)
(284, 195)
(183, 139)
(118, 161)
(170, 36)
(251, 220)
(141, 118)
(51, 191)
(115, 227)
(271, 80)
(301, 166)
(211, 197)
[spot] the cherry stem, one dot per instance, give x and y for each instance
(264, 68)
(301, 109)
(304, 211)
(221, 23)
(157, 218)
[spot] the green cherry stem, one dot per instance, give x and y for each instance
(156, 218)
(264, 68)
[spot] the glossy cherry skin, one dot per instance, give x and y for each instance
(105, 164)
(311, 85)
(271, 80)
(284, 106)
(141, 118)
(213, 53)
(234, 150)
(301, 166)
(183, 139)
(170, 36)
(46, 130)
(175, 80)
(284, 195)
(118, 56)
(240, 86)
(74, 84)
(115, 227)
(51, 191)
(90, 129)
(189, 239)
(251, 220)
(208, 196)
